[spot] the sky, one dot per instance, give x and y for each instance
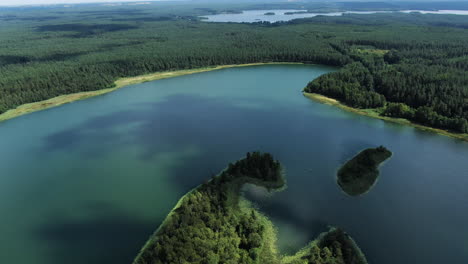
(42, 2)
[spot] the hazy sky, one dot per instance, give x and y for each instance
(38, 2)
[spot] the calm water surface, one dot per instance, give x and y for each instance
(250, 16)
(88, 182)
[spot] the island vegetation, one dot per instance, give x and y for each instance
(296, 12)
(406, 66)
(269, 14)
(214, 224)
(358, 175)
(391, 66)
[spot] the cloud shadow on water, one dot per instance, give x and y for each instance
(222, 130)
(110, 235)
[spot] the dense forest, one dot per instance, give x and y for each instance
(209, 226)
(212, 225)
(423, 80)
(358, 175)
(332, 247)
(405, 65)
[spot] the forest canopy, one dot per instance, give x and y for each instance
(214, 224)
(406, 65)
(359, 174)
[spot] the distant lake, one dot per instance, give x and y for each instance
(440, 12)
(90, 181)
(250, 16)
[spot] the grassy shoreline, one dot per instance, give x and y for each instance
(238, 206)
(228, 184)
(302, 253)
(375, 114)
(119, 83)
(125, 81)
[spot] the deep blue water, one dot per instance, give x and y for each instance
(88, 182)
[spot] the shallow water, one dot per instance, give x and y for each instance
(88, 182)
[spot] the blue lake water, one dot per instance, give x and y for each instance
(250, 16)
(88, 182)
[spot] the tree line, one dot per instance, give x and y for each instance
(422, 79)
(210, 226)
(386, 59)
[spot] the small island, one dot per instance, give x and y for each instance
(231, 11)
(296, 13)
(213, 223)
(358, 175)
(269, 14)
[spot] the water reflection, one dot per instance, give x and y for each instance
(115, 165)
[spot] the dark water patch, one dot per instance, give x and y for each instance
(176, 128)
(97, 132)
(109, 236)
(142, 147)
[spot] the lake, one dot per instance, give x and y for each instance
(250, 16)
(88, 182)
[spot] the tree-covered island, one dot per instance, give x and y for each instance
(358, 175)
(269, 14)
(296, 12)
(214, 224)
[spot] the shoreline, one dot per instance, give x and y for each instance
(338, 180)
(119, 83)
(269, 250)
(290, 259)
(374, 114)
(126, 81)
(242, 205)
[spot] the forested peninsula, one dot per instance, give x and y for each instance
(410, 66)
(214, 224)
(358, 175)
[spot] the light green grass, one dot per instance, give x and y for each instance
(375, 113)
(119, 83)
